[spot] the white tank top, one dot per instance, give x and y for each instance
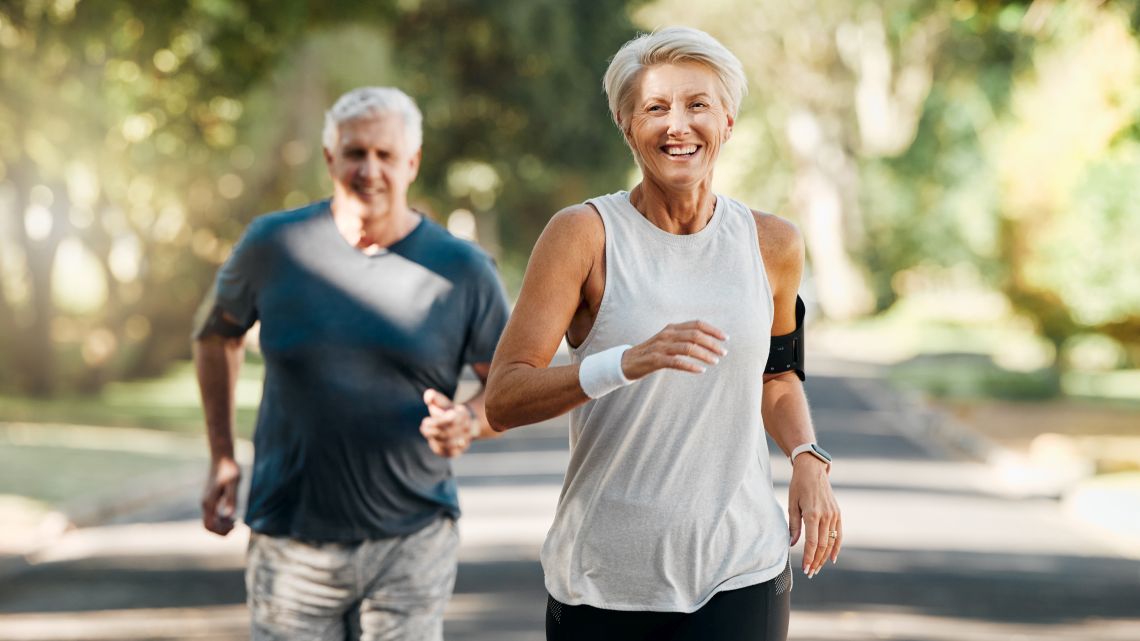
(668, 497)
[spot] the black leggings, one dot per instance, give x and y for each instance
(754, 613)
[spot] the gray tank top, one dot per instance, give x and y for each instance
(668, 497)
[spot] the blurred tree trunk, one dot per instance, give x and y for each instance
(32, 340)
(173, 125)
(824, 190)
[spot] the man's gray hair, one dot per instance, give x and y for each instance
(671, 45)
(372, 101)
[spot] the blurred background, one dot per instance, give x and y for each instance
(965, 174)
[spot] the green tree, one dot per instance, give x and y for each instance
(138, 138)
(113, 115)
(833, 85)
(912, 135)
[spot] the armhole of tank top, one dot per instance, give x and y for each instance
(763, 268)
(579, 351)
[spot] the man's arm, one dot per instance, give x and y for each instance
(217, 361)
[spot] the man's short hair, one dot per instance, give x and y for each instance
(672, 45)
(373, 101)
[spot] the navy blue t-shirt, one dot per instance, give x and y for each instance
(351, 342)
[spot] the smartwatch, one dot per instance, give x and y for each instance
(814, 450)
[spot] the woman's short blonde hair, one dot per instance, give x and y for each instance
(670, 46)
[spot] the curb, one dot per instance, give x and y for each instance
(930, 428)
(100, 510)
(132, 498)
(1014, 475)
(13, 565)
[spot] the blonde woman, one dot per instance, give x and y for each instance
(681, 309)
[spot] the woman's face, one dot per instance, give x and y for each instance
(677, 123)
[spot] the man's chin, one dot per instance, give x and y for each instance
(366, 206)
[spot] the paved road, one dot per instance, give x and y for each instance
(936, 550)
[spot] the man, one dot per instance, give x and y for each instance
(368, 312)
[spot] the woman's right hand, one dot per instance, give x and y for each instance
(681, 346)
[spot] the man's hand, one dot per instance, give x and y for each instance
(449, 427)
(811, 501)
(219, 501)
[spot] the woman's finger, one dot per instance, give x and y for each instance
(693, 351)
(825, 544)
(683, 363)
(838, 527)
(812, 542)
(704, 328)
(704, 340)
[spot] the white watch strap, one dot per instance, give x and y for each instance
(806, 447)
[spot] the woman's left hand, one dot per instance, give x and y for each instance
(812, 504)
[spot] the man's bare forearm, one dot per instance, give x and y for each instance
(217, 360)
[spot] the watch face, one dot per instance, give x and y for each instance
(821, 453)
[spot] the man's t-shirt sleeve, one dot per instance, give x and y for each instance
(489, 316)
(234, 289)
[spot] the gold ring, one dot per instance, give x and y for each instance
(834, 534)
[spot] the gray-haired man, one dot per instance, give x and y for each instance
(368, 312)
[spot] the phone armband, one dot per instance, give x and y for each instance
(786, 353)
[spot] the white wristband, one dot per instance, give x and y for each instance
(599, 374)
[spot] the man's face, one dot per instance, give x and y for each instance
(372, 165)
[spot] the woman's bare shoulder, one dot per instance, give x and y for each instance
(578, 225)
(781, 242)
(580, 217)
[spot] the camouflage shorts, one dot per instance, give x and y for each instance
(378, 590)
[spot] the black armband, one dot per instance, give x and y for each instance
(786, 353)
(216, 324)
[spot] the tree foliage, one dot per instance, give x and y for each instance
(138, 138)
(912, 136)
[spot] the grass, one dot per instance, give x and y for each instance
(47, 460)
(169, 403)
(62, 451)
(943, 348)
(60, 475)
(974, 376)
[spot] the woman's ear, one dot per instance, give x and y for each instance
(621, 124)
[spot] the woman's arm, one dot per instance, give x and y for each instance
(811, 502)
(566, 275)
(521, 388)
(786, 414)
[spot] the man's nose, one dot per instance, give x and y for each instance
(370, 167)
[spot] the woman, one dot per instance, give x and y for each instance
(668, 526)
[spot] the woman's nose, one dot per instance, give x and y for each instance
(678, 122)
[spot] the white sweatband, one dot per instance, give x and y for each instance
(601, 373)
